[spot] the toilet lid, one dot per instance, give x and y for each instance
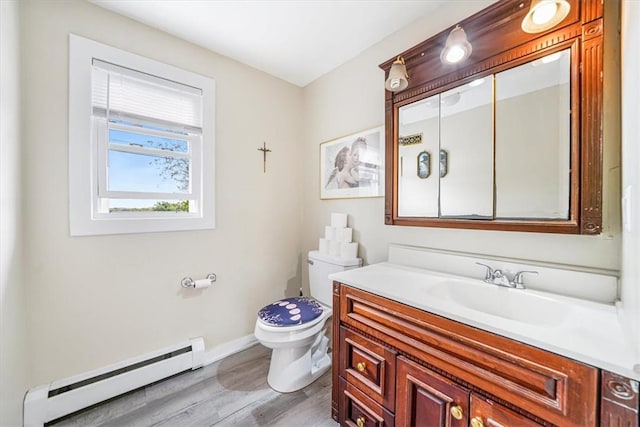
(290, 311)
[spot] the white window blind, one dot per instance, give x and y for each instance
(123, 94)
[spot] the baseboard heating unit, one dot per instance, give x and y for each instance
(50, 402)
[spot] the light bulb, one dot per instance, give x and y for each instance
(544, 13)
(455, 54)
(456, 48)
(450, 100)
(477, 82)
(394, 83)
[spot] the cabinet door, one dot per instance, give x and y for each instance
(426, 399)
(486, 413)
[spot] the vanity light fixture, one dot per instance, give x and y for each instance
(477, 82)
(545, 14)
(547, 59)
(448, 101)
(398, 78)
(457, 48)
(551, 58)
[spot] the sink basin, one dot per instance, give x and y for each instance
(514, 304)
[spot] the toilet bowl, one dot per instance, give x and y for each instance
(295, 328)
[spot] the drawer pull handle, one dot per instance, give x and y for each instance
(456, 412)
(477, 422)
(361, 367)
(360, 421)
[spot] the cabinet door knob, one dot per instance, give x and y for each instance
(360, 421)
(361, 366)
(456, 412)
(476, 422)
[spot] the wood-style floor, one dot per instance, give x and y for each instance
(230, 392)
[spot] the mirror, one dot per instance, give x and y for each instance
(503, 145)
(466, 136)
(533, 150)
(521, 150)
(419, 126)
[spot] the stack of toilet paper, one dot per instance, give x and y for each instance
(338, 239)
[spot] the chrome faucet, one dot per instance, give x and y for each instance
(498, 277)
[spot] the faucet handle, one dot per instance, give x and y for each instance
(491, 274)
(517, 279)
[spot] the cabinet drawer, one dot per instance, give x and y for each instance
(369, 366)
(485, 413)
(358, 410)
(550, 387)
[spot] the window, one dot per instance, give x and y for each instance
(141, 143)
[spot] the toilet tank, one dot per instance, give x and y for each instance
(320, 267)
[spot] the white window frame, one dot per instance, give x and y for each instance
(87, 168)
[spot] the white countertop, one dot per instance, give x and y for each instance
(591, 333)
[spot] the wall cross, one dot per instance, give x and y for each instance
(264, 150)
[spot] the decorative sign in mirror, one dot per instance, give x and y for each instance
(517, 127)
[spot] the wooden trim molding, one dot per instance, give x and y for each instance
(592, 118)
(335, 357)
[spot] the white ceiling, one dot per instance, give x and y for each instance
(297, 41)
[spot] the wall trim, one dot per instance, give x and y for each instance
(221, 351)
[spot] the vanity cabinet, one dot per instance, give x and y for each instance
(397, 365)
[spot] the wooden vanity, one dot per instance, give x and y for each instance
(394, 364)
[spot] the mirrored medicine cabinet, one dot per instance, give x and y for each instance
(511, 139)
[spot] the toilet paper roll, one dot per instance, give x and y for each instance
(344, 234)
(335, 248)
(323, 246)
(330, 233)
(338, 220)
(202, 283)
(348, 250)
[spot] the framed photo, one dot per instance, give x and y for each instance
(353, 166)
(424, 164)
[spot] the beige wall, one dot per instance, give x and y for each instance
(98, 300)
(14, 355)
(351, 98)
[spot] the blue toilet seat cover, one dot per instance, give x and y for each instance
(290, 311)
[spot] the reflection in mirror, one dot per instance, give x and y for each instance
(424, 165)
(466, 135)
(418, 132)
(533, 150)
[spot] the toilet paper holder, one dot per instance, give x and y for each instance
(188, 282)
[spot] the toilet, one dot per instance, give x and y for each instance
(295, 328)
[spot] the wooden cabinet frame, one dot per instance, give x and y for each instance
(499, 44)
